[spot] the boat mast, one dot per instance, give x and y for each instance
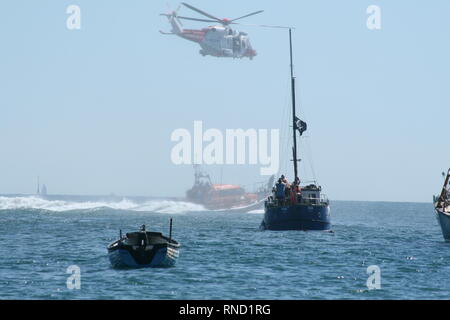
(294, 123)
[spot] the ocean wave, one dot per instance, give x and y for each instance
(160, 206)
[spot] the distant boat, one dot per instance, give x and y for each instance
(41, 191)
(442, 208)
(144, 249)
(297, 208)
(226, 197)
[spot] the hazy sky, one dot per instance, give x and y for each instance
(91, 111)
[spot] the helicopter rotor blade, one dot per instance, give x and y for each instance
(263, 26)
(247, 15)
(202, 12)
(195, 19)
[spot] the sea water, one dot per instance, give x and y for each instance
(223, 255)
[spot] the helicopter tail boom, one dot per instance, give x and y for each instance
(177, 27)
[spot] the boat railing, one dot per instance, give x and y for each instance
(314, 200)
(310, 200)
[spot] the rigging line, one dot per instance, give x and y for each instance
(284, 130)
(303, 114)
(305, 152)
(310, 159)
(285, 109)
(306, 144)
(287, 151)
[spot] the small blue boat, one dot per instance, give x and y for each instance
(144, 249)
(442, 208)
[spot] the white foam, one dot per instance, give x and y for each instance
(161, 206)
(257, 211)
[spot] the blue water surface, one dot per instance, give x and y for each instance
(225, 256)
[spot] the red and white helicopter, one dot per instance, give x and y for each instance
(219, 40)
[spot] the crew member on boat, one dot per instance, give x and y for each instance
(280, 192)
(285, 192)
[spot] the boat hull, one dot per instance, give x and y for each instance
(444, 221)
(163, 257)
(298, 217)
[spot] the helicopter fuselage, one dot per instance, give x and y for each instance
(222, 41)
(217, 41)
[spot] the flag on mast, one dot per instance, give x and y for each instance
(301, 126)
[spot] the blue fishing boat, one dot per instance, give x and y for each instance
(442, 208)
(144, 249)
(296, 207)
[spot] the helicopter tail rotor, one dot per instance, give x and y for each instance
(176, 13)
(172, 13)
(177, 26)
